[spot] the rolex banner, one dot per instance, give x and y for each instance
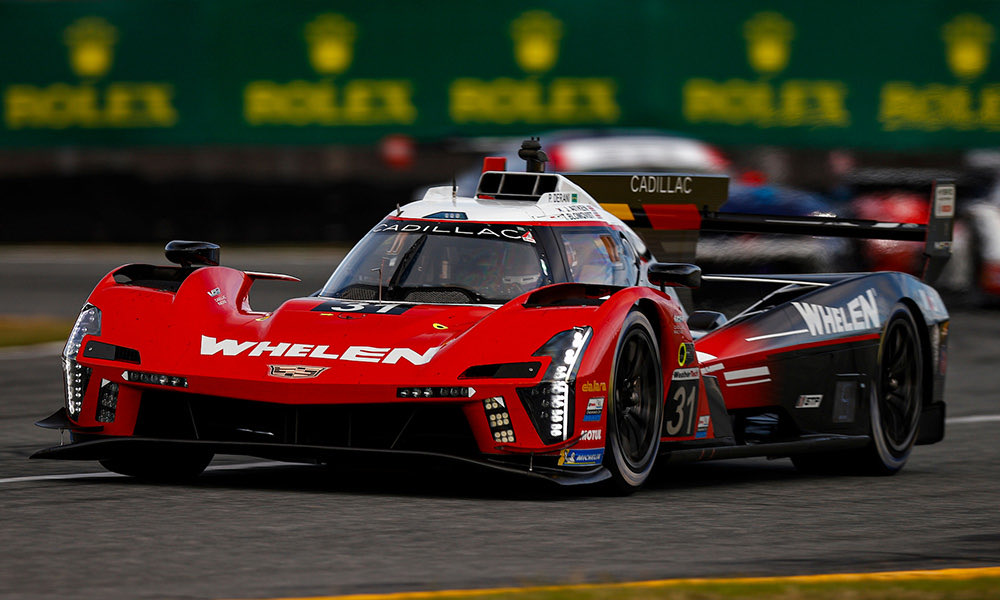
(883, 75)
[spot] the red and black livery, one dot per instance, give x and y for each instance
(527, 328)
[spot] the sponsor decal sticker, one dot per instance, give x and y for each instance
(685, 354)
(683, 374)
(860, 314)
(216, 295)
(569, 457)
(295, 371)
(944, 201)
(661, 184)
(595, 406)
(508, 232)
(211, 346)
(594, 386)
(809, 401)
(590, 435)
(703, 422)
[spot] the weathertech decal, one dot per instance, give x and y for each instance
(860, 314)
(211, 346)
(294, 371)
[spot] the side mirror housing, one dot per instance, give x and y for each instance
(187, 253)
(674, 275)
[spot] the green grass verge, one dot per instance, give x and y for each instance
(24, 330)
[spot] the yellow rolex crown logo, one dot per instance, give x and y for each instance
(536, 35)
(769, 39)
(967, 38)
(91, 41)
(331, 43)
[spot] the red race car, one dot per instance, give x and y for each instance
(526, 328)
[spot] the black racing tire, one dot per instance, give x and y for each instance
(635, 411)
(894, 407)
(167, 466)
(897, 397)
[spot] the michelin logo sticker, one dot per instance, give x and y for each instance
(581, 457)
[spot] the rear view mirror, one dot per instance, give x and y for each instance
(674, 275)
(187, 253)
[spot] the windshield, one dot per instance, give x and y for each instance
(449, 262)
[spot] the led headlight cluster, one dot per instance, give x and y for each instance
(76, 376)
(499, 419)
(550, 403)
(435, 392)
(156, 379)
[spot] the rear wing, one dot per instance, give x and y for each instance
(671, 209)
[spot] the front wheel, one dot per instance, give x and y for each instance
(635, 415)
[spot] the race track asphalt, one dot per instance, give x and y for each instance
(252, 530)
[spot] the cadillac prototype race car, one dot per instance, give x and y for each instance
(526, 328)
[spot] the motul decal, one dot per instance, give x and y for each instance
(211, 346)
(860, 314)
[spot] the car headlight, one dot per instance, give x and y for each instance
(550, 403)
(75, 375)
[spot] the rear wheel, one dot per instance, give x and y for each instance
(635, 414)
(894, 407)
(898, 395)
(160, 465)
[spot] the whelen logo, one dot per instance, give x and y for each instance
(860, 314)
(211, 346)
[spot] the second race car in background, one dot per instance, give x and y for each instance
(900, 195)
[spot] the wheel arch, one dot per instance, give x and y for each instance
(927, 368)
(649, 309)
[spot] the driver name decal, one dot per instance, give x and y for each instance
(860, 314)
(390, 356)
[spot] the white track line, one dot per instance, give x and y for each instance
(972, 419)
(236, 467)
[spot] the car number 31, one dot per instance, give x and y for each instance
(682, 404)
